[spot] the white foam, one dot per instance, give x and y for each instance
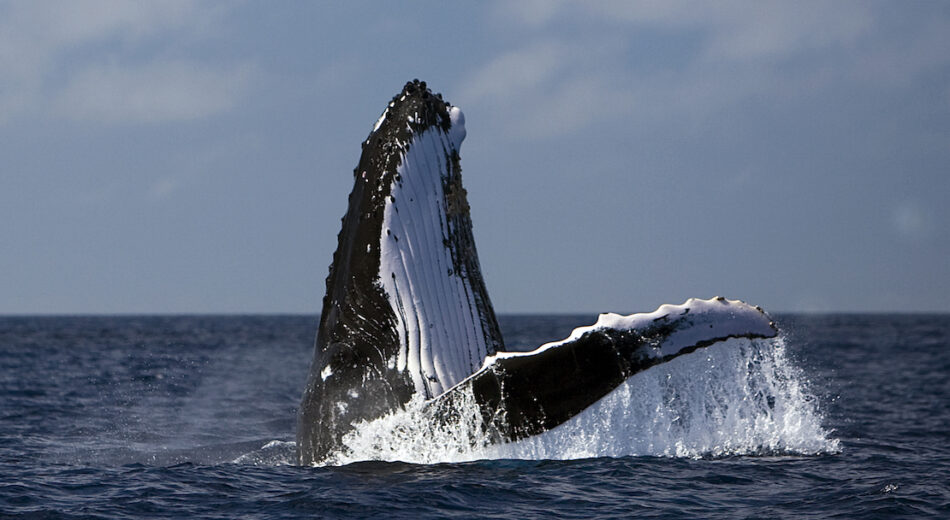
(739, 397)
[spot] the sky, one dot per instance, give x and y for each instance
(196, 157)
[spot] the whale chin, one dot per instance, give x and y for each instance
(406, 312)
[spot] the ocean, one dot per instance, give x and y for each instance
(844, 416)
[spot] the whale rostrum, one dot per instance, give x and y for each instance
(406, 311)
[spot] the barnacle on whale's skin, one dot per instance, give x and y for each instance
(406, 311)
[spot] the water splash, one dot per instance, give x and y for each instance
(740, 397)
(274, 453)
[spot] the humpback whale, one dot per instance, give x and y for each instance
(406, 312)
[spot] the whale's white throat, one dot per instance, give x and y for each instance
(437, 319)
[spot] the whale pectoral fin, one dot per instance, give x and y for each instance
(523, 394)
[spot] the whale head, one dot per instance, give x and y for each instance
(406, 310)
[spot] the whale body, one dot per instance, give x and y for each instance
(406, 312)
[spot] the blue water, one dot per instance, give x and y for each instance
(170, 417)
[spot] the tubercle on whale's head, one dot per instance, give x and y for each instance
(410, 113)
(414, 110)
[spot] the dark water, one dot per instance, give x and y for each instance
(132, 417)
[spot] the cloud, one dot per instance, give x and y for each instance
(733, 29)
(746, 30)
(186, 168)
(163, 188)
(552, 87)
(911, 221)
(530, 12)
(153, 93)
(52, 54)
(580, 63)
(518, 70)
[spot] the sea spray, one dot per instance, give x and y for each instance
(273, 453)
(414, 435)
(739, 397)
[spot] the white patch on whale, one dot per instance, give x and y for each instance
(437, 320)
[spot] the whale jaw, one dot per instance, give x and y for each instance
(406, 311)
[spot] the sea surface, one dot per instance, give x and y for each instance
(844, 416)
